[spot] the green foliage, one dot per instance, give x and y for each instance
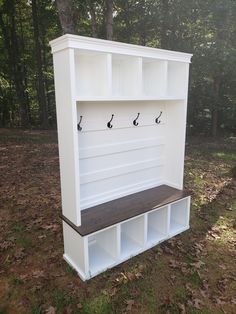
(203, 27)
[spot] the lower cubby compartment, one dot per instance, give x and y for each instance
(157, 226)
(132, 237)
(91, 251)
(102, 250)
(179, 216)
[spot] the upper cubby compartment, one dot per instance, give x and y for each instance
(92, 75)
(177, 79)
(154, 77)
(126, 76)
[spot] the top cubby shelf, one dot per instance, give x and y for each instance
(103, 76)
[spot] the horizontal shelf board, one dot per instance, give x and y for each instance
(110, 213)
(136, 98)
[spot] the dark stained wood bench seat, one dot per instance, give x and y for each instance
(107, 214)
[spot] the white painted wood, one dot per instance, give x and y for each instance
(179, 215)
(126, 76)
(103, 250)
(157, 228)
(94, 45)
(132, 236)
(75, 248)
(177, 79)
(154, 78)
(64, 74)
(92, 75)
(96, 79)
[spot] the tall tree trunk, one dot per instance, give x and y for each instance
(39, 65)
(67, 16)
(164, 23)
(109, 19)
(215, 110)
(93, 18)
(15, 66)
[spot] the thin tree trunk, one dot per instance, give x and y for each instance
(39, 65)
(67, 16)
(15, 66)
(215, 113)
(93, 18)
(109, 19)
(164, 23)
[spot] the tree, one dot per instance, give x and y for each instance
(42, 100)
(109, 19)
(66, 13)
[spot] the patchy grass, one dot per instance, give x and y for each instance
(192, 273)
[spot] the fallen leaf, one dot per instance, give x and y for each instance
(181, 308)
(50, 310)
(129, 304)
(198, 264)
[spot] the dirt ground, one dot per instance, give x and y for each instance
(194, 272)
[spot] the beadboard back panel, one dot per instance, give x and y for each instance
(124, 159)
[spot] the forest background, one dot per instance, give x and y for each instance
(206, 28)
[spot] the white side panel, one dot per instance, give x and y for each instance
(64, 74)
(175, 143)
(76, 249)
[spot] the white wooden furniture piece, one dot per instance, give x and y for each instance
(121, 114)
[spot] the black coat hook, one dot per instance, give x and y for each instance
(78, 125)
(157, 119)
(109, 125)
(135, 123)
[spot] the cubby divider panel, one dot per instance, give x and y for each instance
(157, 228)
(102, 250)
(132, 237)
(179, 216)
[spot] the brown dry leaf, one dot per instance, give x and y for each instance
(233, 300)
(198, 264)
(79, 306)
(38, 274)
(222, 266)
(19, 254)
(6, 245)
(167, 250)
(181, 307)
(50, 310)
(129, 306)
(196, 303)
